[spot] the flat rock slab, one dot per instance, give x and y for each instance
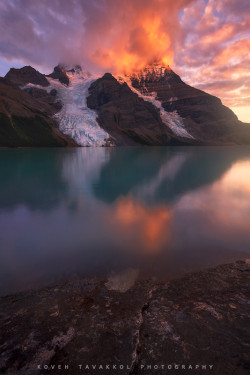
(201, 319)
(126, 325)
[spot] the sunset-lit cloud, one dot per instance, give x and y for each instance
(213, 52)
(207, 42)
(103, 34)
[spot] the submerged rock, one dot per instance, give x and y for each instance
(122, 281)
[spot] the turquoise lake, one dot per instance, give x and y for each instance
(92, 211)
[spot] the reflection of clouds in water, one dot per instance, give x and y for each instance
(189, 202)
(146, 228)
(223, 206)
(238, 177)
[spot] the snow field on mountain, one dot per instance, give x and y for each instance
(171, 119)
(75, 118)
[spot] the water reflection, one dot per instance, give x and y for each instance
(162, 174)
(95, 209)
(32, 178)
(147, 227)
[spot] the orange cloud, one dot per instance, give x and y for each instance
(216, 58)
(221, 35)
(206, 42)
(145, 38)
(236, 51)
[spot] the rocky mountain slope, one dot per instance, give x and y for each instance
(203, 115)
(26, 116)
(27, 74)
(151, 107)
(126, 116)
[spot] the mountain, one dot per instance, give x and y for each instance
(73, 107)
(27, 74)
(125, 116)
(203, 115)
(27, 114)
(60, 74)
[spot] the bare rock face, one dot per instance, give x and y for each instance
(60, 74)
(26, 115)
(125, 326)
(130, 118)
(204, 116)
(26, 119)
(125, 116)
(150, 107)
(46, 97)
(196, 321)
(27, 74)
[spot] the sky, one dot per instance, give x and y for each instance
(206, 42)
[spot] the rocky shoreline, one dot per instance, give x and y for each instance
(131, 325)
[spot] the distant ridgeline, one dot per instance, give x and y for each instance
(71, 107)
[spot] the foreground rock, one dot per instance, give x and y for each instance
(132, 324)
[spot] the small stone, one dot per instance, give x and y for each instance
(55, 314)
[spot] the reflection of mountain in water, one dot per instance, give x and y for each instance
(81, 169)
(94, 209)
(45, 178)
(159, 175)
(31, 177)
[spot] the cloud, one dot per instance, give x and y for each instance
(215, 53)
(205, 41)
(37, 32)
(106, 34)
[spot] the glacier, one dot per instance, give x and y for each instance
(79, 122)
(75, 118)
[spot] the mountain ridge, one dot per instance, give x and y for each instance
(150, 107)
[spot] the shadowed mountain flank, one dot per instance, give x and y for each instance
(152, 107)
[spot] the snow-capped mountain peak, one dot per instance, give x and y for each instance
(154, 71)
(98, 110)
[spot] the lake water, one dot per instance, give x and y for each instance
(90, 211)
